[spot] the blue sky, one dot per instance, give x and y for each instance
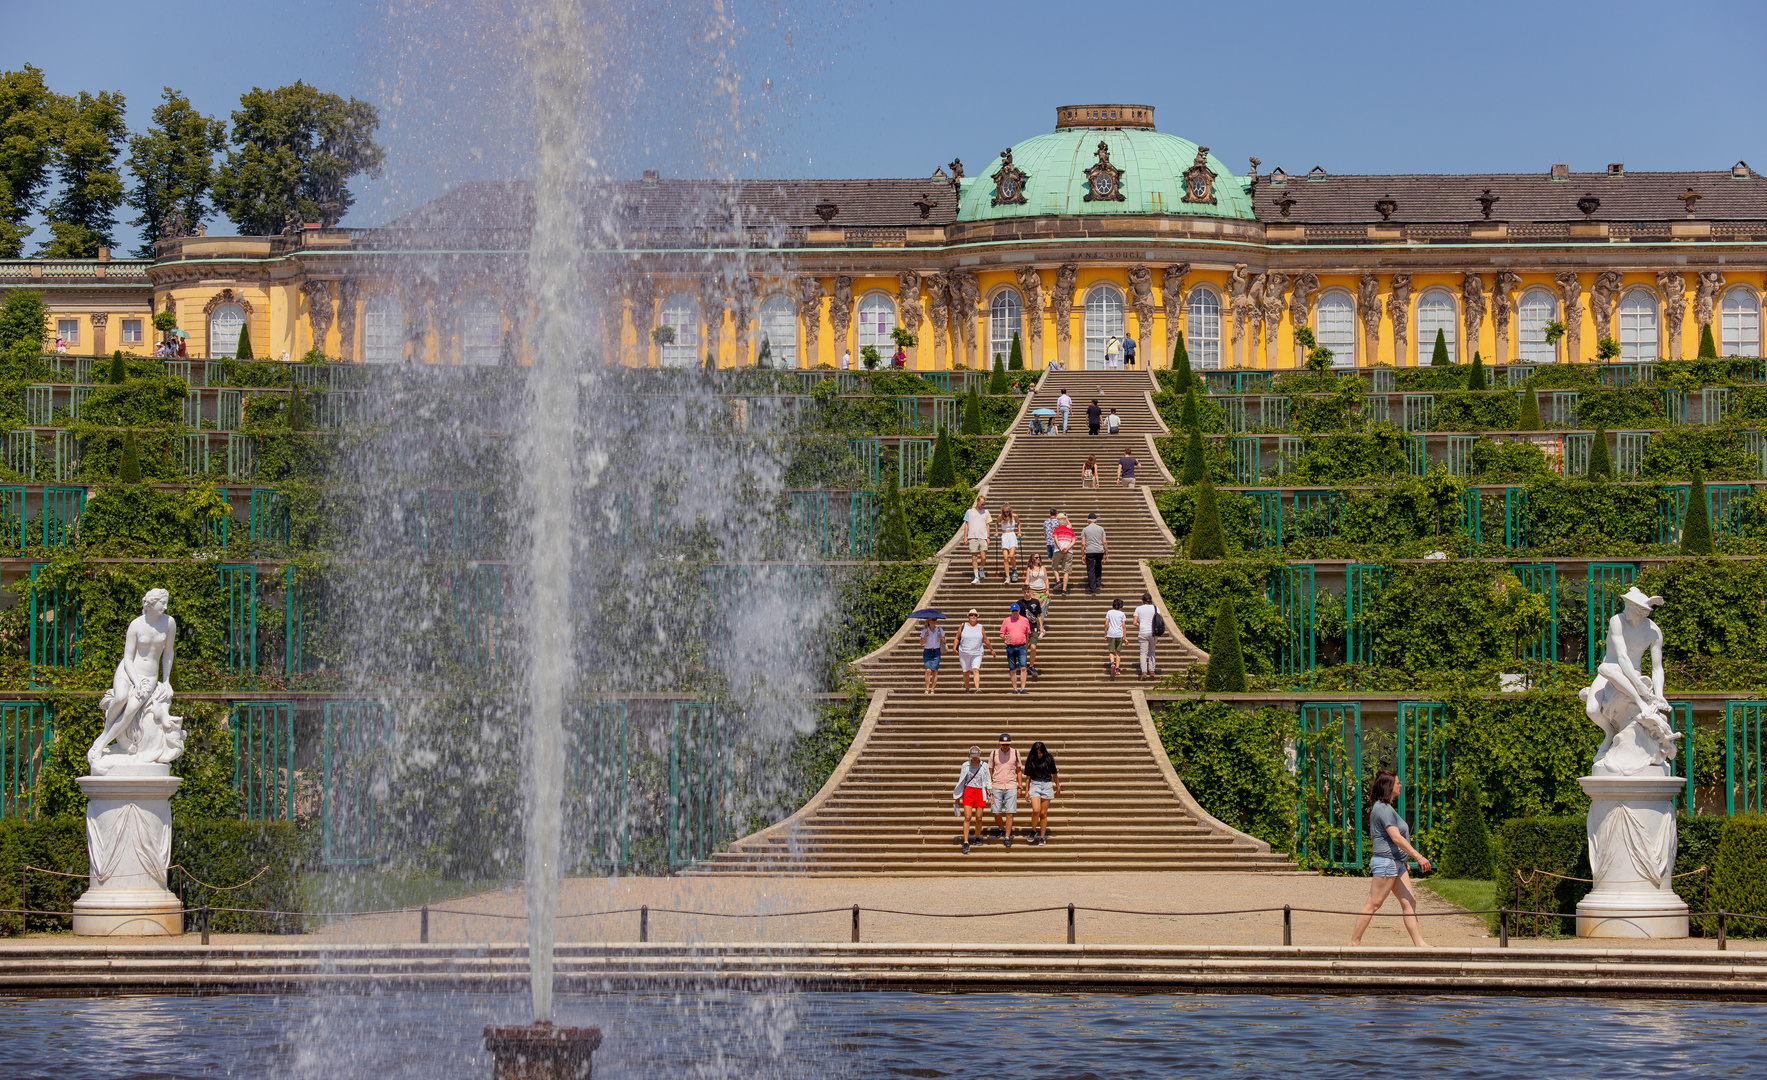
(894, 87)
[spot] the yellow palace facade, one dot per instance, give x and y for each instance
(1103, 228)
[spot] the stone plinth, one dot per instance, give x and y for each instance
(129, 844)
(1632, 856)
(541, 1051)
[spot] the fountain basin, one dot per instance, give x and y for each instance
(541, 1051)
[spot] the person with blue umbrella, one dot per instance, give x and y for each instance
(932, 644)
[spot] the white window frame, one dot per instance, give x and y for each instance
(1006, 317)
(1431, 305)
(1334, 325)
(1638, 325)
(681, 311)
(1531, 318)
(778, 324)
(877, 318)
(68, 330)
(226, 343)
(132, 330)
(1739, 323)
(1202, 328)
(383, 329)
(1104, 320)
(481, 332)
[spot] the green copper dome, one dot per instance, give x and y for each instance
(1061, 168)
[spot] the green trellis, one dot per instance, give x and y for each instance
(263, 758)
(1745, 739)
(1290, 591)
(356, 742)
(56, 624)
(27, 729)
(699, 782)
(269, 521)
(1607, 581)
(1469, 514)
(913, 456)
(1328, 771)
(1269, 530)
(1425, 793)
(1541, 579)
(600, 781)
(1517, 527)
(239, 631)
(1362, 585)
(478, 611)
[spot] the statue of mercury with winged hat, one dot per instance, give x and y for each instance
(1630, 708)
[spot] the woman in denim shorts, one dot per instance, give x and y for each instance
(1042, 783)
(1390, 841)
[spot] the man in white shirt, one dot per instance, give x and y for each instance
(1063, 404)
(1144, 630)
(976, 521)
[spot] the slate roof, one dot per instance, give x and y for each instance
(1637, 196)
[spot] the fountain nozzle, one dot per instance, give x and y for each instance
(541, 1051)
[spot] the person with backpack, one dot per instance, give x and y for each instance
(1036, 587)
(970, 797)
(1147, 625)
(1128, 351)
(1065, 543)
(1112, 423)
(1007, 771)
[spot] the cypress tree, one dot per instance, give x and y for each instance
(1601, 466)
(972, 411)
(1205, 526)
(1016, 360)
(1439, 356)
(1476, 380)
(244, 352)
(1194, 470)
(1181, 364)
(1188, 418)
(998, 384)
(130, 472)
(119, 370)
(1708, 347)
(1468, 851)
(942, 473)
(1226, 670)
(893, 540)
(297, 410)
(1530, 411)
(1696, 526)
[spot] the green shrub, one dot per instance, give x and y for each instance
(221, 856)
(972, 412)
(893, 540)
(1194, 471)
(1601, 465)
(1712, 607)
(50, 843)
(1016, 360)
(1696, 528)
(1708, 347)
(244, 349)
(119, 371)
(1439, 355)
(1192, 592)
(24, 321)
(1525, 752)
(1232, 762)
(941, 472)
(1467, 853)
(1530, 419)
(1181, 365)
(1189, 417)
(1526, 846)
(1696, 845)
(1739, 873)
(1226, 671)
(1205, 534)
(997, 384)
(130, 471)
(1475, 380)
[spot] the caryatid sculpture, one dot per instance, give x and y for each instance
(137, 707)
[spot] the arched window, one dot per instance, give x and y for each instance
(224, 324)
(877, 317)
(383, 329)
(1638, 326)
(1202, 325)
(779, 331)
(1335, 319)
(1005, 318)
(1435, 311)
(681, 314)
(1740, 324)
(1104, 320)
(1537, 308)
(481, 332)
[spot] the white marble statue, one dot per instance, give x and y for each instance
(1630, 708)
(137, 707)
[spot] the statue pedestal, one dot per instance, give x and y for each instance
(129, 844)
(1632, 853)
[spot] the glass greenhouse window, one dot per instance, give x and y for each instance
(779, 330)
(682, 315)
(1537, 308)
(1005, 318)
(877, 317)
(1740, 324)
(383, 330)
(1104, 320)
(1638, 326)
(1202, 338)
(481, 332)
(1435, 311)
(224, 324)
(1336, 320)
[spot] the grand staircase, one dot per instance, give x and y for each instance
(887, 808)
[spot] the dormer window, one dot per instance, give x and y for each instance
(1278, 178)
(1318, 173)
(1740, 171)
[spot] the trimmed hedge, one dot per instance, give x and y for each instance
(1556, 845)
(1233, 764)
(58, 844)
(1739, 873)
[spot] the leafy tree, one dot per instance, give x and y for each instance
(893, 539)
(295, 150)
(998, 384)
(173, 163)
(1181, 364)
(1194, 469)
(1708, 347)
(1016, 360)
(1696, 527)
(1553, 331)
(83, 214)
(1188, 418)
(119, 371)
(1601, 466)
(942, 473)
(1606, 349)
(1476, 379)
(1468, 851)
(1205, 531)
(130, 472)
(1439, 355)
(243, 351)
(165, 320)
(972, 411)
(24, 320)
(1530, 411)
(1226, 670)
(870, 357)
(27, 145)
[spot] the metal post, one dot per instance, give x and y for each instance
(204, 916)
(423, 930)
(1288, 925)
(1070, 924)
(1723, 929)
(644, 923)
(1503, 928)
(855, 922)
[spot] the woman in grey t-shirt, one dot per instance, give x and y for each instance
(1390, 841)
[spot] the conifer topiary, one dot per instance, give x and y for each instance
(1601, 466)
(130, 471)
(1439, 355)
(942, 473)
(893, 540)
(1194, 468)
(119, 369)
(1205, 527)
(1476, 380)
(1226, 670)
(1188, 418)
(244, 351)
(1015, 360)
(972, 411)
(998, 384)
(1530, 411)
(1468, 852)
(1696, 526)
(1708, 347)
(297, 410)
(1181, 364)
